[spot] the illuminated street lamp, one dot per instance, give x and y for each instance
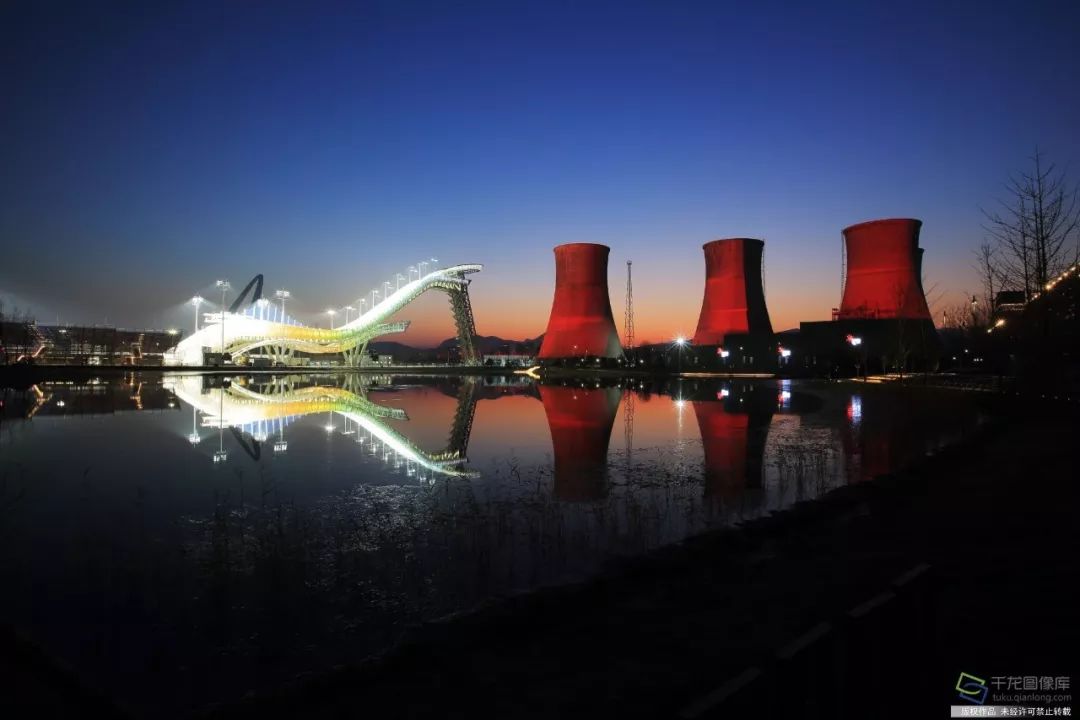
(363, 302)
(386, 289)
(196, 301)
(348, 309)
(855, 342)
(412, 269)
(374, 295)
(680, 342)
(225, 286)
(434, 263)
(420, 266)
(282, 295)
(331, 312)
(399, 278)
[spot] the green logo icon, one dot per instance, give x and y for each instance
(972, 689)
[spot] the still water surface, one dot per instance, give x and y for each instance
(180, 540)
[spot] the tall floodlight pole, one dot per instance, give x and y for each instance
(224, 285)
(400, 277)
(348, 309)
(363, 302)
(196, 302)
(282, 295)
(434, 263)
(421, 266)
(386, 289)
(374, 294)
(331, 312)
(412, 269)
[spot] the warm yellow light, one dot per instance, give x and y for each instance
(1000, 322)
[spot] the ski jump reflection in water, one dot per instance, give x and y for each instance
(261, 410)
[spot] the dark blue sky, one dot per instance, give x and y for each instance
(150, 148)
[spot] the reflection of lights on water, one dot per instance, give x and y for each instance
(723, 394)
(854, 409)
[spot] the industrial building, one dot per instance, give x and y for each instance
(28, 342)
(883, 322)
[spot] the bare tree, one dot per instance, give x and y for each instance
(987, 266)
(1035, 228)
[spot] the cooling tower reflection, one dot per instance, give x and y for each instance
(580, 421)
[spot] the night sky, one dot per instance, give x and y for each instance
(150, 148)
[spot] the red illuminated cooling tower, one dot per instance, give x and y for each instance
(580, 421)
(581, 324)
(883, 278)
(734, 299)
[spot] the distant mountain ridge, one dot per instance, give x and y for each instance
(486, 344)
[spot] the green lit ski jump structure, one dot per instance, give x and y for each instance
(258, 327)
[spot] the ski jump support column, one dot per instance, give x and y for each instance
(581, 323)
(734, 301)
(883, 279)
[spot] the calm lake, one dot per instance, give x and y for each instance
(180, 540)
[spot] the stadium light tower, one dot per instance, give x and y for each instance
(196, 301)
(282, 295)
(224, 285)
(262, 304)
(331, 312)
